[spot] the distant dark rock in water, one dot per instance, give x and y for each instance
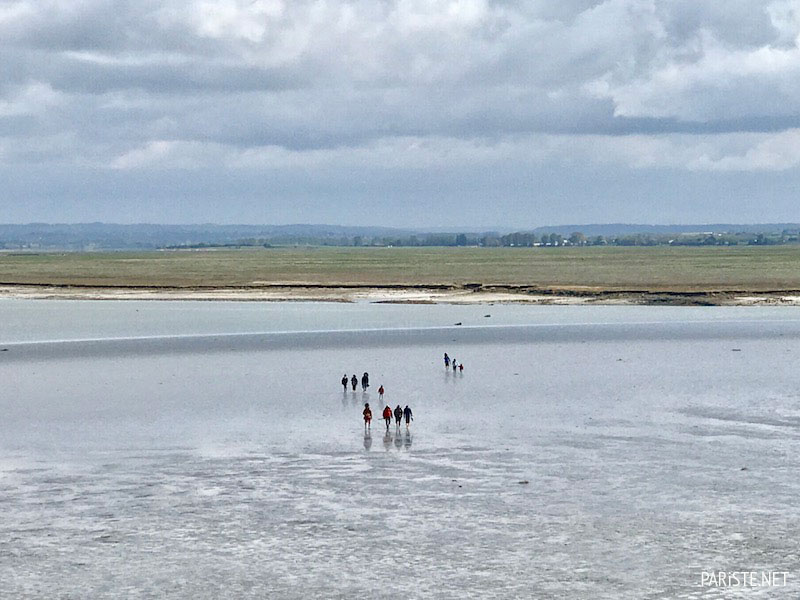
(523, 482)
(487, 316)
(4, 350)
(736, 349)
(459, 323)
(744, 469)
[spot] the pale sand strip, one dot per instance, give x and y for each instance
(411, 295)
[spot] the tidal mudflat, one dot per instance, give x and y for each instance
(201, 450)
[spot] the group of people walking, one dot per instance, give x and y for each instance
(398, 413)
(354, 382)
(450, 361)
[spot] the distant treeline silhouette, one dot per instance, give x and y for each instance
(524, 240)
(102, 236)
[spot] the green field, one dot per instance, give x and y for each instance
(658, 268)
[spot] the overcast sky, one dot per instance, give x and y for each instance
(407, 112)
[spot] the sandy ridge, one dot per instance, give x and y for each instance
(469, 294)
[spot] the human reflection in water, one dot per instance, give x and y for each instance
(407, 439)
(398, 441)
(367, 440)
(344, 398)
(387, 440)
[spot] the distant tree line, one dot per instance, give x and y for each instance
(520, 239)
(105, 240)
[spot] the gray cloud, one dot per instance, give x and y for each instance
(278, 88)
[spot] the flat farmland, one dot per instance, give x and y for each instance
(663, 268)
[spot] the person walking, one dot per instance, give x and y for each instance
(446, 361)
(461, 367)
(344, 381)
(409, 416)
(387, 416)
(398, 416)
(367, 417)
(380, 393)
(354, 381)
(455, 365)
(364, 381)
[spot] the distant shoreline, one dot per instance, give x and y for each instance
(408, 294)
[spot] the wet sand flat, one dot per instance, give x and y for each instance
(202, 450)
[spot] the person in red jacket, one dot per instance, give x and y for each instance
(367, 416)
(380, 393)
(387, 416)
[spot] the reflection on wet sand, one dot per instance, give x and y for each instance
(401, 440)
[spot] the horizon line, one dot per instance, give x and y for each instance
(439, 228)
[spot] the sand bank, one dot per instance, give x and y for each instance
(410, 295)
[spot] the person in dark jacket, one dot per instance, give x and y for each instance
(365, 381)
(398, 416)
(344, 382)
(409, 416)
(354, 381)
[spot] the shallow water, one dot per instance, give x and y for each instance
(227, 461)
